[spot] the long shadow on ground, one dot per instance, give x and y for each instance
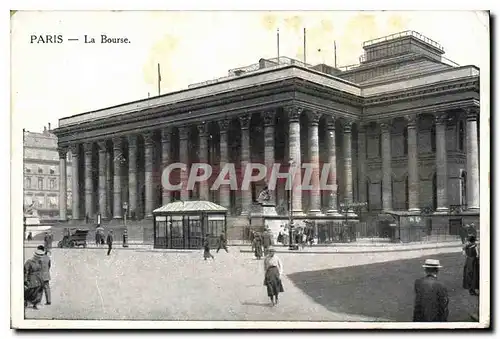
(385, 290)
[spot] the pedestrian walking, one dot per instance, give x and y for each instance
(222, 243)
(273, 268)
(109, 241)
(47, 242)
(431, 296)
(266, 241)
(257, 246)
(462, 232)
(33, 282)
(471, 267)
(46, 264)
(99, 235)
(206, 248)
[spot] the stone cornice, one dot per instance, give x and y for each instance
(441, 88)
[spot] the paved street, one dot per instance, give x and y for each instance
(150, 285)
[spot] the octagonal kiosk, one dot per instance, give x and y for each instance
(186, 224)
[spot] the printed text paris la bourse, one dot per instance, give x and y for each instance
(87, 39)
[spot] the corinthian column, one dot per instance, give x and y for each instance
(102, 179)
(203, 158)
(386, 167)
(269, 118)
(246, 193)
(166, 139)
(362, 194)
(75, 189)
(224, 197)
(413, 179)
(89, 187)
(348, 161)
(332, 163)
(441, 164)
(184, 159)
(315, 195)
(294, 155)
(117, 171)
(472, 160)
(62, 183)
(132, 176)
(148, 174)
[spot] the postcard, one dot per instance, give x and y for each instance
(250, 169)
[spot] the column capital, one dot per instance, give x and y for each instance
(224, 125)
(102, 145)
(472, 113)
(411, 120)
(441, 118)
(117, 143)
(330, 122)
(347, 124)
(245, 121)
(74, 150)
(313, 117)
(202, 129)
(148, 138)
(293, 113)
(269, 117)
(132, 140)
(385, 126)
(62, 150)
(87, 147)
(166, 134)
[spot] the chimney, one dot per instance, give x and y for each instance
(49, 126)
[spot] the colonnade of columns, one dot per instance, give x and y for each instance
(293, 114)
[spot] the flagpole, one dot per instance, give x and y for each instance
(304, 46)
(335, 52)
(278, 43)
(159, 80)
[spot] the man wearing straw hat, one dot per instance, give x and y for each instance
(431, 296)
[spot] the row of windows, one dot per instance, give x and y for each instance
(28, 184)
(461, 136)
(41, 201)
(463, 191)
(40, 170)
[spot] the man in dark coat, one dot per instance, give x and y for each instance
(431, 296)
(46, 275)
(266, 241)
(222, 243)
(109, 241)
(47, 242)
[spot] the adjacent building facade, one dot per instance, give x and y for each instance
(399, 131)
(42, 176)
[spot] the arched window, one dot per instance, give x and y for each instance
(463, 188)
(461, 135)
(433, 138)
(434, 192)
(405, 140)
(407, 194)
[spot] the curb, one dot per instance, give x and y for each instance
(360, 251)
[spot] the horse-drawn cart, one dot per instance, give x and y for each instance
(77, 237)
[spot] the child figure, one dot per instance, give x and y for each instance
(206, 249)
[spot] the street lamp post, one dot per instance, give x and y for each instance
(291, 245)
(347, 207)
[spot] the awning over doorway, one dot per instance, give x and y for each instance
(179, 207)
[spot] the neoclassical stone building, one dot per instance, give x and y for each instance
(400, 131)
